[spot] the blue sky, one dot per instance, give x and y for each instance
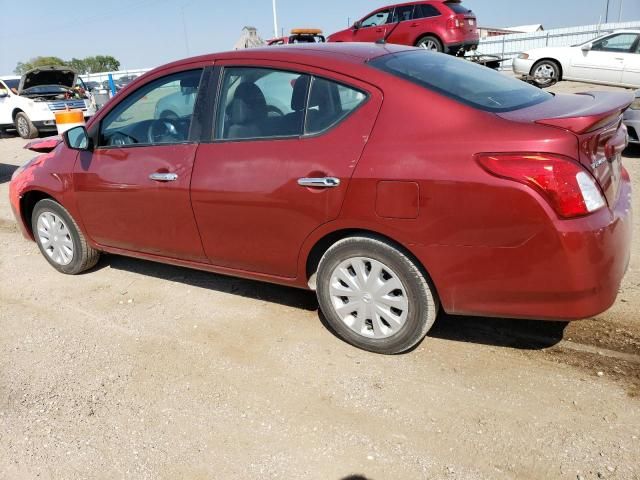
(147, 33)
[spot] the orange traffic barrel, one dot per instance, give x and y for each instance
(69, 119)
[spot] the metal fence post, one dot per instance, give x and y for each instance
(547, 39)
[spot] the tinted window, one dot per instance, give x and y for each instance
(378, 18)
(330, 102)
(158, 112)
(402, 14)
(462, 80)
(457, 7)
(425, 11)
(260, 103)
(616, 43)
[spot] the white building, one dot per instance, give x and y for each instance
(249, 39)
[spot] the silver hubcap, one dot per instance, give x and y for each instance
(545, 73)
(55, 238)
(429, 45)
(369, 297)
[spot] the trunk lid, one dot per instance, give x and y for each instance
(41, 76)
(595, 118)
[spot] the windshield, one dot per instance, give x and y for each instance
(464, 81)
(13, 83)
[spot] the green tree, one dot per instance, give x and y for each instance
(23, 67)
(95, 64)
(78, 64)
(101, 63)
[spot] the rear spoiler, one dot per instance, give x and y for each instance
(605, 108)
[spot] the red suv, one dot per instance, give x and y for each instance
(391, 180)
(438, 25)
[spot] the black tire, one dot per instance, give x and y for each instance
(431, 43)
(422, 300)
(552, 69)
(84, 257)
(26, 129)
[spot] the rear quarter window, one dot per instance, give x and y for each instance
(461, 80)
(457, 7)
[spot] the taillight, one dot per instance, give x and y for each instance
(565, 184)
(455, 22)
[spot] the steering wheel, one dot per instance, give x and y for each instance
(276, 110)
(119, 139)
(162, 131)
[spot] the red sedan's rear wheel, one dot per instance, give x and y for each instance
(374, 296)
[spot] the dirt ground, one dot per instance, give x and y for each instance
(143, 371)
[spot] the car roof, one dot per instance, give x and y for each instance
(324, 55)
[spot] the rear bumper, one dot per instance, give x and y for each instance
(571, 270)
(632, 121)
(522, 67)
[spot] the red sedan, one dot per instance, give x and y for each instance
(392, 180)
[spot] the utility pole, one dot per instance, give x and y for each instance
(606, 16)
(620, 12)
(275, 20)
(184, 30)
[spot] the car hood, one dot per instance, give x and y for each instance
(62, 76)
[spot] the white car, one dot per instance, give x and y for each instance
(632, 120)
(29, 103)
(613, 59)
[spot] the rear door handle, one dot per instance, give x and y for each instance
(163, 177)
(325, 182)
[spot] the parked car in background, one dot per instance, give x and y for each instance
(29, 103)
(612, 59)
(91, 86)
(299, 35)
(277, 173)
(632, 120)
(437, 25)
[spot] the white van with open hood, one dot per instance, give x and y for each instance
(29, 103)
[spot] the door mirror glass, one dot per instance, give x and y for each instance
(587, 47)
(77, 138)
(357, 25)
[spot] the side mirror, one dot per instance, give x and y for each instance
(3, 93)
(587, 47)
(357, 25)
(77, 138)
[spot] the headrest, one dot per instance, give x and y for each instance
(299, 96)
(238, 112)
(251, 94)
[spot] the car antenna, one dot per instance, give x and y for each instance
(383, 40)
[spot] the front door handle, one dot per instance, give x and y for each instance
(325, 182)
(163, 177)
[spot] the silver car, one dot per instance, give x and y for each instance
(632, 120)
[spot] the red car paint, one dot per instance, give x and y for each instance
(455, 31)
(407, 164)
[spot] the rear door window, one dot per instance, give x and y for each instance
(261, 103)
(464, 81)
(402, 14)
